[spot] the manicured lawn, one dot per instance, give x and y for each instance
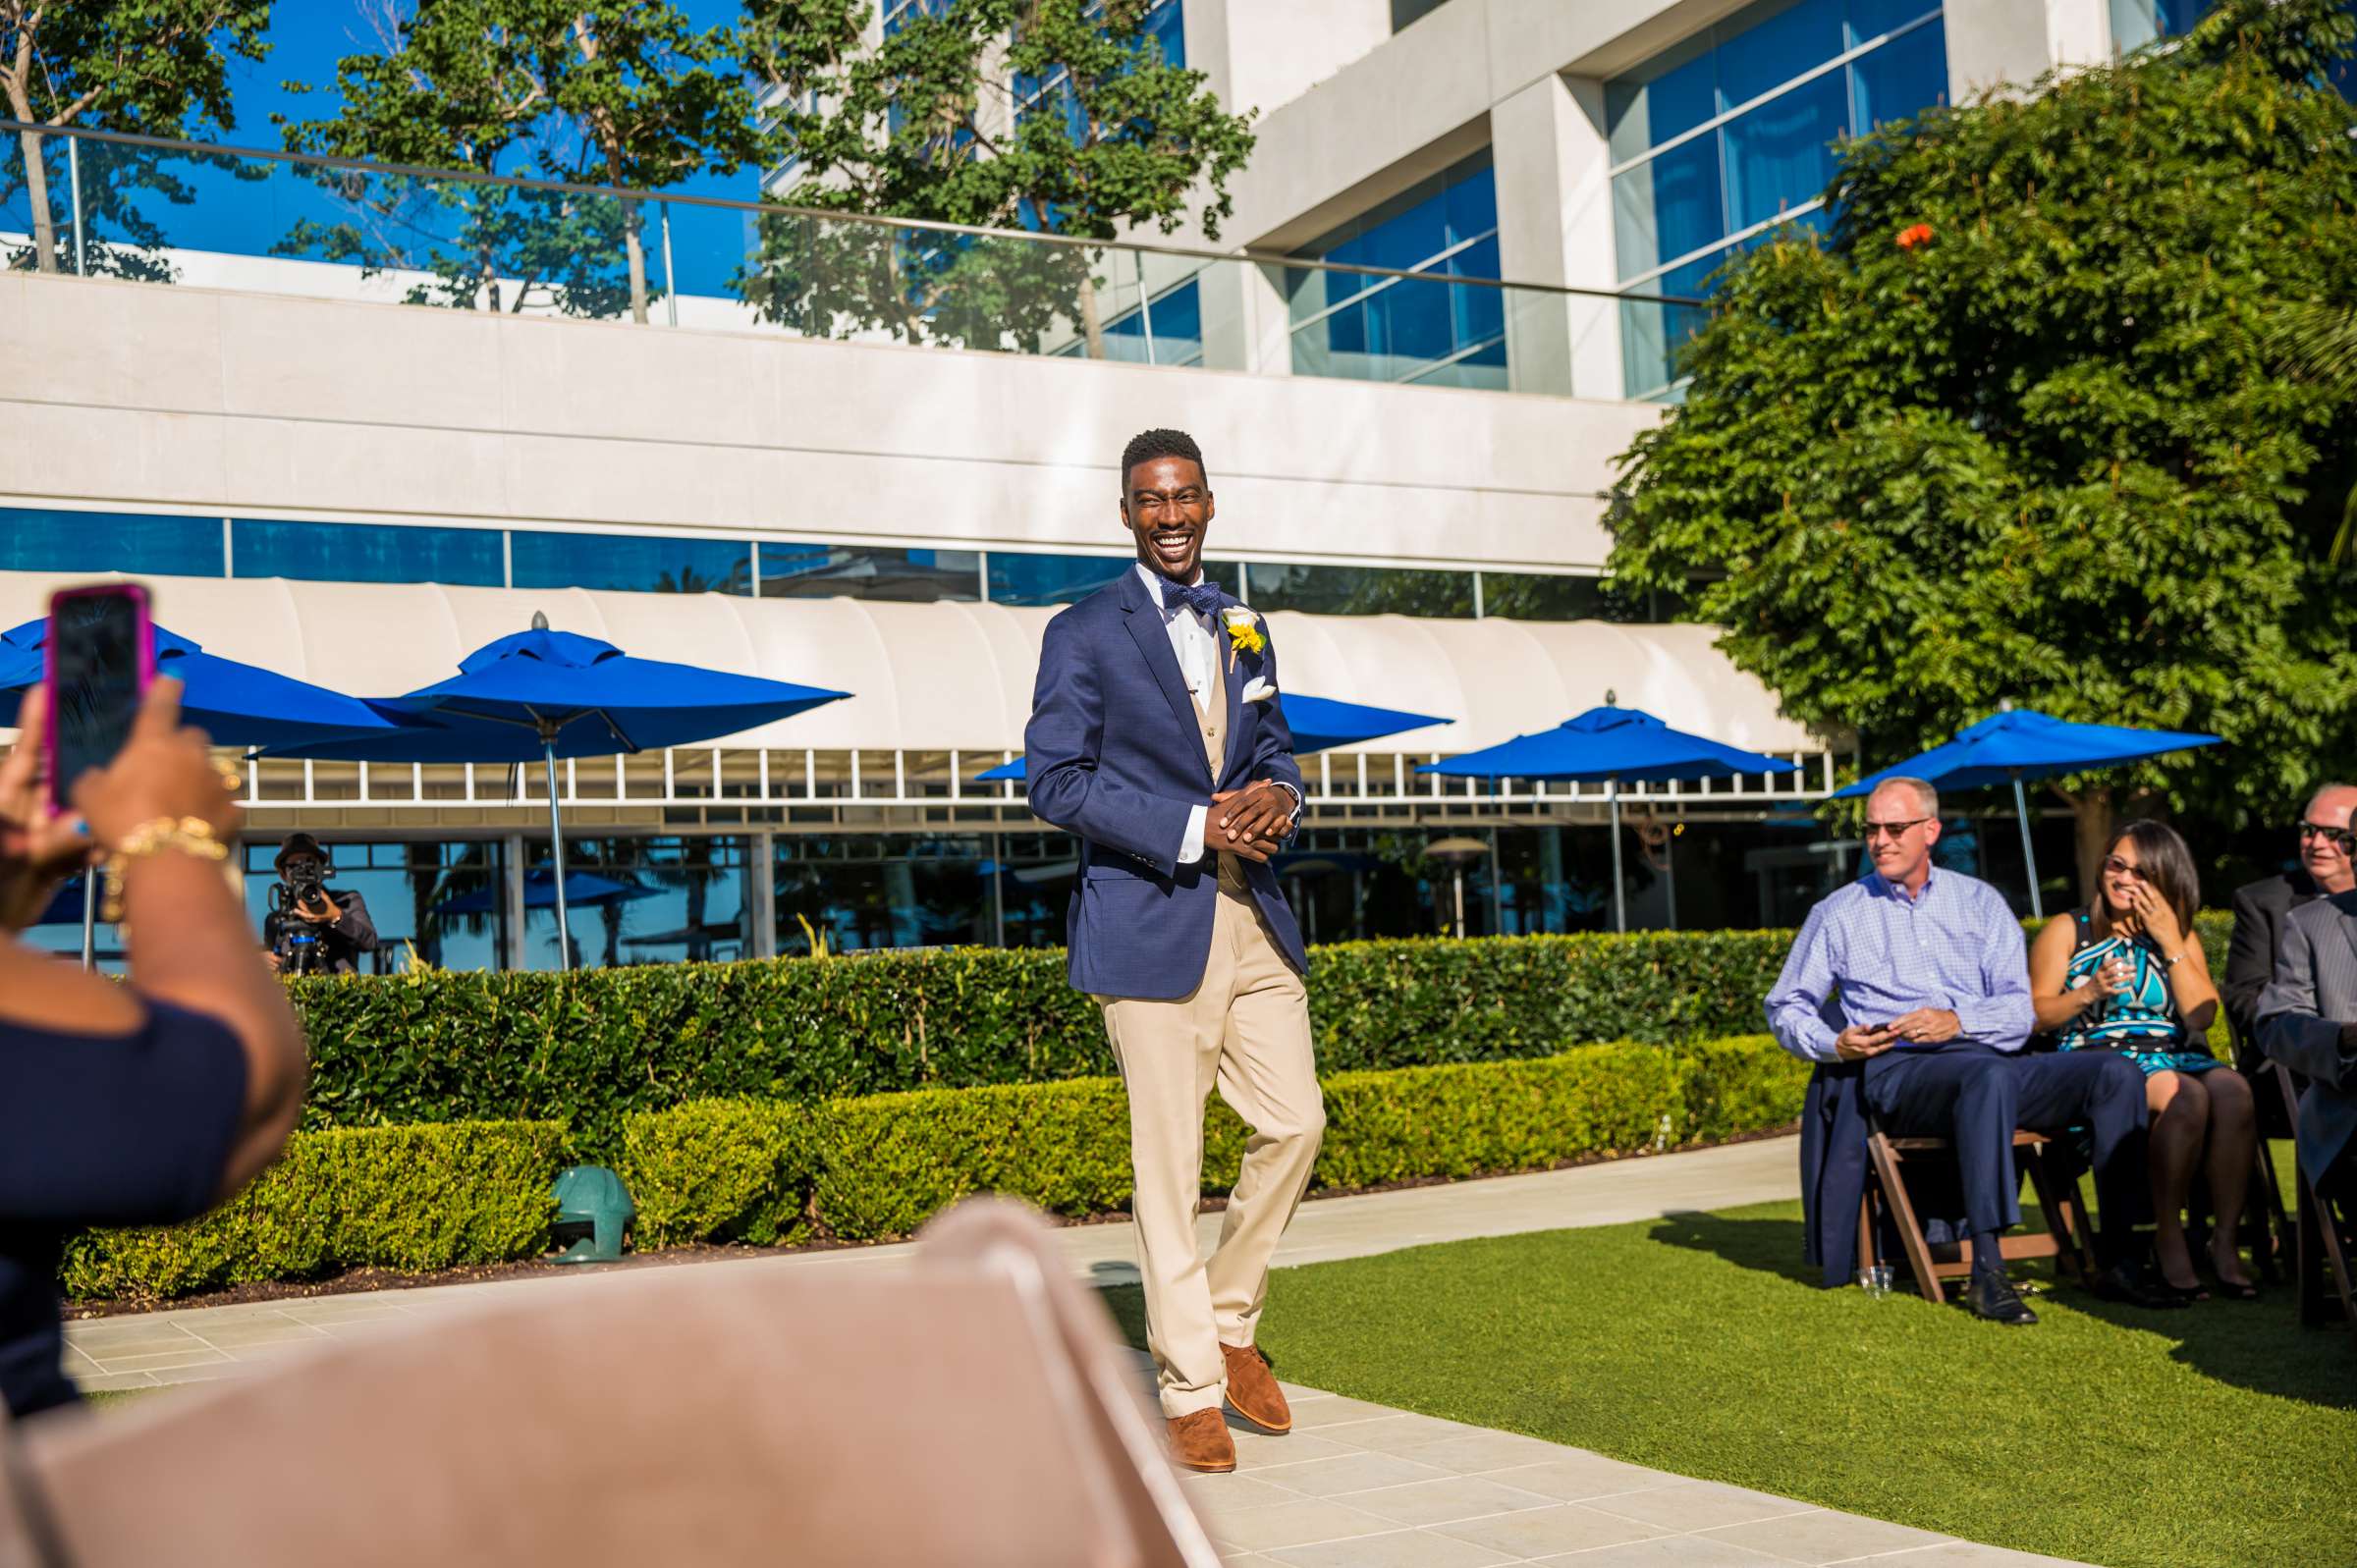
(2219, 1434)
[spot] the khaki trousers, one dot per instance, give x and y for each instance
(1245, 1031)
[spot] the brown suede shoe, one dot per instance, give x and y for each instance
(1252, 1390)
(1200, 1442)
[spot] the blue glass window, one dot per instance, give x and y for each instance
(674, 564)
(1399, 329)
(37, 539)
(1812, 73)
(1361, 590)
(867, 572)
(1167, 330)
(2137, 23)
(701, 909)
(366, 552)
(1028, 579)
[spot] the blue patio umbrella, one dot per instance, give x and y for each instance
(2015, 744)
(1317, 723)
(237, 704)
(584, 889)
(540, 695)
(1609, 744)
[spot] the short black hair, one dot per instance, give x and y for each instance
(1148, 445)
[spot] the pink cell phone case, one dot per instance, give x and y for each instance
(145, 635)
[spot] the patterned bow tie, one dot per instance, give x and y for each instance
(1203, 598)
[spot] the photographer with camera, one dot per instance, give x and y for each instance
(311, 929)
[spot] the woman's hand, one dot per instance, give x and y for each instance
(38, 846)
(163, 770)
(2159, 920)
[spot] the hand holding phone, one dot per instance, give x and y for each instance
(99, 659)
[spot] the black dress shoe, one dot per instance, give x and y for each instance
(2122, 1282)
(1992, 1296)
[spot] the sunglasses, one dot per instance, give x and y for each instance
(1896, 830)
(2340, 838)
(2113, 866)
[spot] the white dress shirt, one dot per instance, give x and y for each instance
(1191, 641)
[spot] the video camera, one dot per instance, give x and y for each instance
(297, 944)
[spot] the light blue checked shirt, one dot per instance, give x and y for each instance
(1874, 953)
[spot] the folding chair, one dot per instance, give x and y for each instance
(2265, 1229)
(1888, 1203)
(2328, 1232)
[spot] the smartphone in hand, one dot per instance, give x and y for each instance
(99, 661)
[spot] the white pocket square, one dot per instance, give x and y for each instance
(1258, 689)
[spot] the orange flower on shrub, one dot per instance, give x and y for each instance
(1915, 234)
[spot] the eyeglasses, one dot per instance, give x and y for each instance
(2113, 866)
(1896, 830)
(2340, 838)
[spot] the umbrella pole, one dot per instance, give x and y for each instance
(556, 844)
(1620, 887)
(2029, 856)
(89, 919)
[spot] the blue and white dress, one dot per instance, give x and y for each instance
(2141, 1023)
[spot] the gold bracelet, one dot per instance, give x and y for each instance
(189, 836)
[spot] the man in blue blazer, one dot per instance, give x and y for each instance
(1158, 739)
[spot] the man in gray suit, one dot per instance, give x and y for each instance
(2308, 1022)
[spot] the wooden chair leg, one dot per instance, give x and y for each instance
(1910, 1232)
(2063, 1219)
(2264, 1220)
(2329, 1232)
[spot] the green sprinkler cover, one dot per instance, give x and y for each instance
(595, 1207)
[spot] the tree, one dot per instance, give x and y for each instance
(1045, 115)
(155, 66)
(2016, 431)
(619, 93)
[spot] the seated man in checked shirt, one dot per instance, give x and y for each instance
(1930, 974)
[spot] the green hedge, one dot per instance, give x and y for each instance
(867, 1168)
(590, 1049)
(407, 1198)
(876, 1167)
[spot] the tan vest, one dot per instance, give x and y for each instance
(1212, 720)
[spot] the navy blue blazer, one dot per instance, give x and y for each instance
(1114, 755)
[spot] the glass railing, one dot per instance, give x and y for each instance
(102, 205)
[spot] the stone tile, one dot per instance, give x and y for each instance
(1296, 1523)
(329, 1310)
(1577, 1475)
(262, 1331)
(1669, 1551)
(1259, 1450)
(1408, 1548)
(1334, 1411)
(1824, 1537)
(1967, 1554)
(191, 1354)
(1538, 1532)
(1232, 1493)
(1471, 1452)
(1403, 1435)
(1698, 1505)
(1331, 1478)
(1452, 1498)
(1298, 1393)
(108, 1347)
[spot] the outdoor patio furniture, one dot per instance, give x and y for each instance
(2328, 1232)
(974, 1407)
(1889, 1205)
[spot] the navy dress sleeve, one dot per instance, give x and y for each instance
(100, 1130)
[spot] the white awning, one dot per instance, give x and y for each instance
(957, 677)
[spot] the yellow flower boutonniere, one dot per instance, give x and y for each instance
(1243, 632)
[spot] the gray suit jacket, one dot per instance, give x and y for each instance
(2300, 1014)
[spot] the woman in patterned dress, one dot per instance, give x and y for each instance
(2128, 974)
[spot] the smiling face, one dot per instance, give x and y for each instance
(1168, 510)
(1900, 834)
(2322, 852)
(2121, 875)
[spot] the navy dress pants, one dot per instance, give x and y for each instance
(1975, 1097)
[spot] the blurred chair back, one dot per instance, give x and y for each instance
(973, 1408)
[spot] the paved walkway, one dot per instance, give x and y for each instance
(1354, 1484)
(197, 1343)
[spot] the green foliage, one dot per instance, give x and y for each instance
(409, 1198)
(2016, 429)
(586, 1049)
(924, 127)
(720, 1170)
(154, 67)
(622, 93)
